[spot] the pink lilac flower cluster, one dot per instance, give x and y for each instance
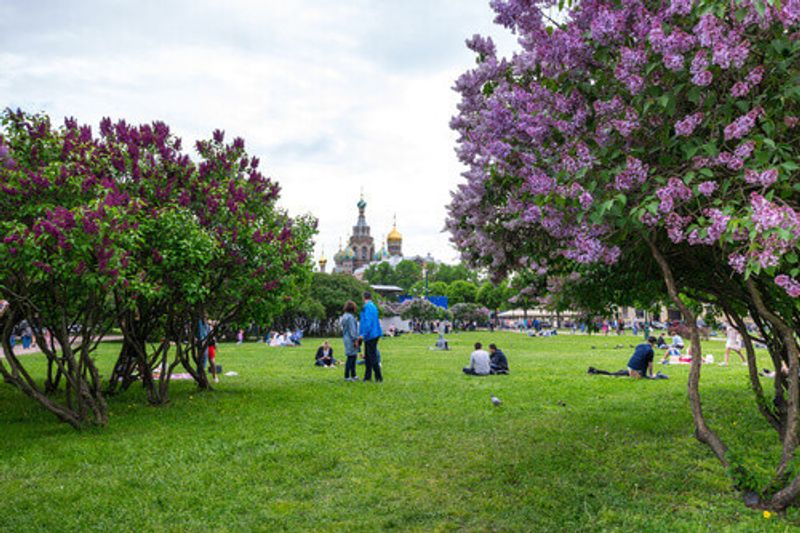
(686, 126)
(675, 190)
(790, 285)
(675, 225)
(719, 225)
(742, 125)
(707, 188)
(629, 68)
(701, 76)
(672, 46)
(769, 215)
(764, 179)
(742, 88)
(732, 161)
(634, 175)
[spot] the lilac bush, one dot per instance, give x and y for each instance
(666, 127)
(123, 228)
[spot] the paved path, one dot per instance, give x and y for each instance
(19, 350)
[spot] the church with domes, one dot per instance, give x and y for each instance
(360, 251)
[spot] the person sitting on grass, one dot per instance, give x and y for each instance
(671, 352)
(661, 342)
(296, 337)
(441, 342)
(324, 356)
(640, 365)
(479, 362)
(677, 340)
(498, 361)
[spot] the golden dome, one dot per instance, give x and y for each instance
(394, 235)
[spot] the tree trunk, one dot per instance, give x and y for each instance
(702, 432)
(788, 336)
(755, 383)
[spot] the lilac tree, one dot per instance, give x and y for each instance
(665, 131)
(125, 229)
(467, 313)
(421, 309)
(212, 245)
(59, 262)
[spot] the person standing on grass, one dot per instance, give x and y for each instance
(733, 342)
(479, 362)
(203, 329)
(370, 331)
(212, 357)
(349, 326)
(26, 334)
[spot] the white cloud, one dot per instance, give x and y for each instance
(332, 96)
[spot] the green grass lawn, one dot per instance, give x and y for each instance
(287, 446)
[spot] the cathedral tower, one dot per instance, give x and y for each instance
(394, 241)
(361, 242)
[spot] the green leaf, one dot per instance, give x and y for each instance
(706, 172)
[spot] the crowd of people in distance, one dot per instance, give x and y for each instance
(640, 365)
(674, 352)
(24, 332)
(275, 339)
(548, 332)
(483, 363)
(430, 326)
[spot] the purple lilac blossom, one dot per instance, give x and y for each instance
(790, 285)
(687, 125)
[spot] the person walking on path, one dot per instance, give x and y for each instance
(350, 337)
(370, 331)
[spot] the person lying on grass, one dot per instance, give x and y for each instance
(639, 365)
(479, 362)
(498, 360)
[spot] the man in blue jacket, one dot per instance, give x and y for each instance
(370, 330)
(640, 365)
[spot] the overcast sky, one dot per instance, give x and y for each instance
(333, 95)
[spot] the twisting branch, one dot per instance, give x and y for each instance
(702, 432)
